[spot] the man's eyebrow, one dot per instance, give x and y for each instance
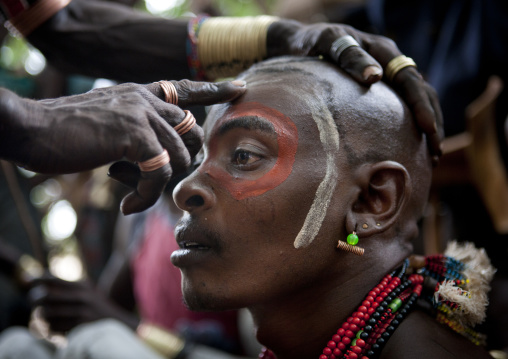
(249, 123)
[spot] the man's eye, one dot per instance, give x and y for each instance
(243, 157)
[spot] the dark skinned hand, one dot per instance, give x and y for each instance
(89, 27)
(128, 121)
(365, 64)
(67, 304)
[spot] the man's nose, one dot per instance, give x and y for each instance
(193, 195)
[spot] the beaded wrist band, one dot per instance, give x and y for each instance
(162, 341)
(196, 70)
(26, 21)
(227, 46)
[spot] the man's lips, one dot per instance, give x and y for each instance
(192, 245)
(198, 244)
(189, 235)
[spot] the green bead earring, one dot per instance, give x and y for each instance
(352, 241)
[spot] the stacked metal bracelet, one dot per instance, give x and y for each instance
(226, 46)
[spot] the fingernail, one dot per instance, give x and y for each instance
(239, 83)
(123, 208)
(371, 73)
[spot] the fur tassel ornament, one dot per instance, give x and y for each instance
(471, 299)
(463, 274)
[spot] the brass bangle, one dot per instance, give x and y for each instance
(226, 45)
(160, 340)
(396, 64)
(30, 19)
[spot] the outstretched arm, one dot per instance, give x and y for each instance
(128, 121)
(110, 40)
(104, 39)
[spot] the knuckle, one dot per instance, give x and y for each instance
(183, 88)
(347, 28)
(211, 87)
(133, 97)
(143, 91)
(385, 41)
(129, 86)
(184, 84)
(329, 34)
(379, 43)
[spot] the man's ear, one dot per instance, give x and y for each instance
(384, 189)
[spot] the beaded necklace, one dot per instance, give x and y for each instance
(364, 334)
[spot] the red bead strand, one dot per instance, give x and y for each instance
(365, 332)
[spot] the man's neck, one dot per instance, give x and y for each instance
(299, 326)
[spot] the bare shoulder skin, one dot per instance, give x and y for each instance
(420, 336)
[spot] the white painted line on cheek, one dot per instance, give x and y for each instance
(329, 137)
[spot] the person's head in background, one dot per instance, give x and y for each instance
(304, 158)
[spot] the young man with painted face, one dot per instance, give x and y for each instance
(304, 158)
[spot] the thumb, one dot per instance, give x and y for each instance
(147, 186)
(125, 172)
(149, 189)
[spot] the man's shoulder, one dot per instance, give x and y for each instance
(420, 336)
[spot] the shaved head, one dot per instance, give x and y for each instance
(373, 123)
(305, 157)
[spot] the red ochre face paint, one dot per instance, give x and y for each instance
(287, 141)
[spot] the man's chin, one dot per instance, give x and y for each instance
(203, 303)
